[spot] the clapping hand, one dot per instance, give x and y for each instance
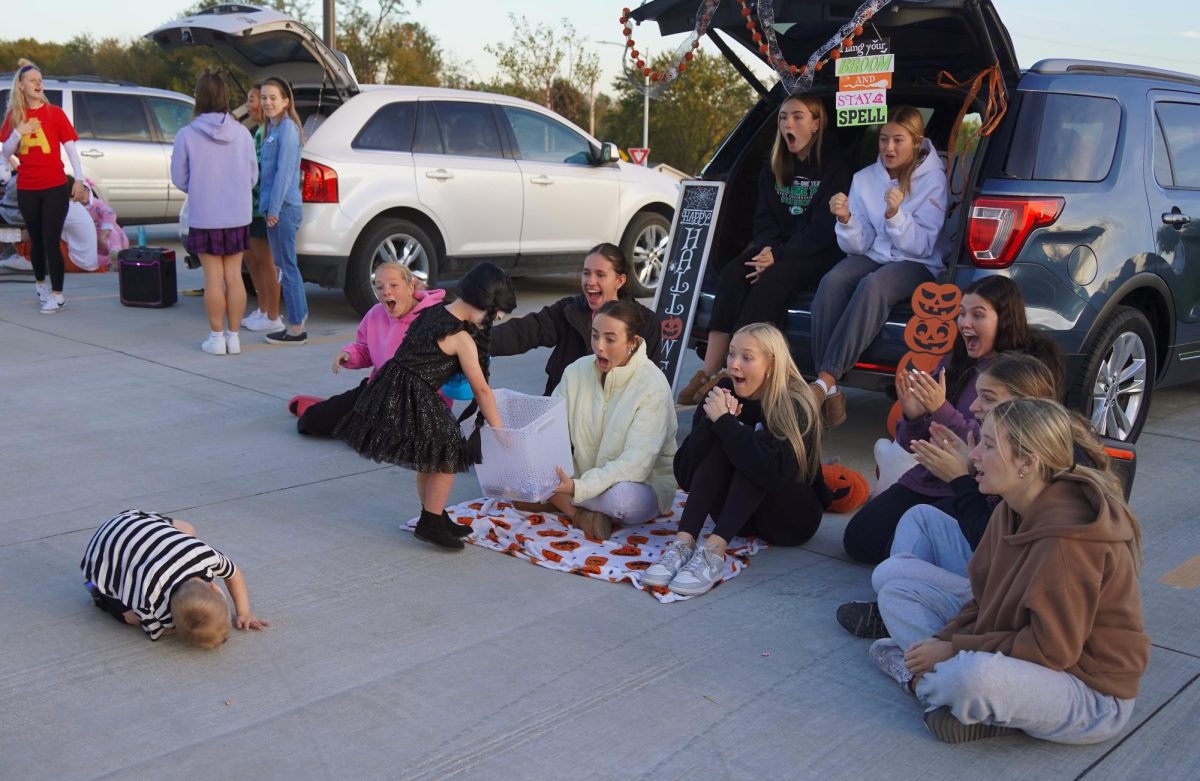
(910, 405)
(929, 392)
(891, 201)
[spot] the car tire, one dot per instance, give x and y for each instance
(1113, 390)
(645, 247)
(389, 238)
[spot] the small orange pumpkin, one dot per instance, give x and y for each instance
(927, 335)
(937, 301)
(849, 487)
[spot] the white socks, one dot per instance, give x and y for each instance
(828, 389)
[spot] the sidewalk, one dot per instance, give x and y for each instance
(387, 658)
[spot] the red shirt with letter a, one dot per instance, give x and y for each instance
(40, 151)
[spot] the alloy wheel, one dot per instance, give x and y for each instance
(1120, 387)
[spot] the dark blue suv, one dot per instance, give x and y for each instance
(1087, 193)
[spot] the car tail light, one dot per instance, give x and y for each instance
(320, 183)
(999, 226)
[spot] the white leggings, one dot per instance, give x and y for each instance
(1048, 704)
(628, 502)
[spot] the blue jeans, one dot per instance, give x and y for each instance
(282, 238)
(930, 534)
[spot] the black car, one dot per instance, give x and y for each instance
(1087, 193)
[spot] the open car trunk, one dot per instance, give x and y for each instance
(262, 42)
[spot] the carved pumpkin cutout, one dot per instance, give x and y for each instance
(937, 301)
(927, 335)
(923, 362)
(672, 328)
(893, 419)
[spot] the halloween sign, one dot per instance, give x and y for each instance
(864, 72)
(687, 257)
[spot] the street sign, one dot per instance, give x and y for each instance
(638, 154)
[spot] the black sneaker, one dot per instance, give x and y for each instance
(946, 728)
(435, 529)
(862, 619)
(457, 529)
(283, 337)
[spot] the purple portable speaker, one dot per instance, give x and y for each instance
(147, 277)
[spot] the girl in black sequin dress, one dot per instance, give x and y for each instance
(400, 419)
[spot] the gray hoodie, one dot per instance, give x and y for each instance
(214, 163)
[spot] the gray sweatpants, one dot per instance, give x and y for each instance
(852, 304)
(628, 502)
(1047, 704)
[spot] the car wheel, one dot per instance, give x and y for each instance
(389, 239)
(1113, 391)
(645, 247)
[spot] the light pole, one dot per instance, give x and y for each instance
(645, 98)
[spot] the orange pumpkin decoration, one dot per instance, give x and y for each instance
(849, 487)
(536, 519)
(926, 335)
(596, 561)
(476, 505)
(502, 524)
(893, 419)
(937, 301)
(637, 565)
(663, 532)
(627, 550)
(551, 555)
(671, 328)
(637, 539)
(552, 533)
(923, 362)
(565, 545)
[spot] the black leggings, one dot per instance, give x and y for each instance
(740, 303)
(45, 212)
(319, 419)
(787, 515)
(868, 535)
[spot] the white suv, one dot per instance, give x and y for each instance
(438, 179)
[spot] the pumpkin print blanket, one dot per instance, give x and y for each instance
(548, 540)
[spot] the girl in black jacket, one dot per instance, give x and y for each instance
(566, 325)
(794, 242)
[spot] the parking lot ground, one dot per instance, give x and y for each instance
(387, 658)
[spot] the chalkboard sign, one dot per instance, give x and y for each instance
(687, 257)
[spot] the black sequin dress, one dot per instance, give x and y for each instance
(399, 418)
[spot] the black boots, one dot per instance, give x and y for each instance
(437, 530)
(457, 529)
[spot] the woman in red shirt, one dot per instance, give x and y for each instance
(34, 130)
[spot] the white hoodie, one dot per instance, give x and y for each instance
(914, 231)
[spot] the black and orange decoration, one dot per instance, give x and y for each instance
(849, 488)
(929, 335)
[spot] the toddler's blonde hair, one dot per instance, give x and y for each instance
(201, 615)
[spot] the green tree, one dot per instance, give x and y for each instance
(689, 119)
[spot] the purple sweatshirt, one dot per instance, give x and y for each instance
(957, 417)
(214, 163)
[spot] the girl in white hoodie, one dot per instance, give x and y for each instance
(889, 227)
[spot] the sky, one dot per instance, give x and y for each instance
(1157, 33)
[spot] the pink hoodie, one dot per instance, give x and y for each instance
(379, 334)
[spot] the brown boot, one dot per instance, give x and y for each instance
(833, 411)
(594, 525)
(687, 396)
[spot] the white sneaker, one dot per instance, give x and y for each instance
(17, 263)
(233, 343)
(663, 571)
(214, 344)
(890, 658)
(53, 303)
(264, 325)
(42, 292)
(257, 316)
(701, 573)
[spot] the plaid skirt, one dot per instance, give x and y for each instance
(217, 241)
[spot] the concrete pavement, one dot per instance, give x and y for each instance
(389, 659)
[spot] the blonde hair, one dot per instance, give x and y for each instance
(909, 120)
(1046, 429)
(1023, 376)
(781, 160)
(394, 265)
(789, 407)
(201, 614)
(16, 98)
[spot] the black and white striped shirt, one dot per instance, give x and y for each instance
(139, 558)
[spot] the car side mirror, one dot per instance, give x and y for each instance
(608, 153)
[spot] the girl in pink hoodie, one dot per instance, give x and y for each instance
(379, 334)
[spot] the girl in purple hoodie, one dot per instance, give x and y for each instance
(214, 163)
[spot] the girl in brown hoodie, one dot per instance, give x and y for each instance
(1051, 642)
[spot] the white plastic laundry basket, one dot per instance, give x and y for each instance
(520, 463)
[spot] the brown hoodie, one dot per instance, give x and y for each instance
(1058, 588)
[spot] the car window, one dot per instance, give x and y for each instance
(1078, 138)
(1180, 124)
(117, 117)
(389, 129)
(544, 140)
(52, 96)
(82, 120)
(466, 128)
(170, 115)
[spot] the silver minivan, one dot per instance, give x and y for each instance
(126, 134)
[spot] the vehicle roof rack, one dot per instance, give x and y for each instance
(1058, 66)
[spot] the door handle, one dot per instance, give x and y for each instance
(91, 153)
(541, 179)
(1175, 219)
(440, 174)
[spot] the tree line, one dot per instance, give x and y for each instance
(386, 45)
